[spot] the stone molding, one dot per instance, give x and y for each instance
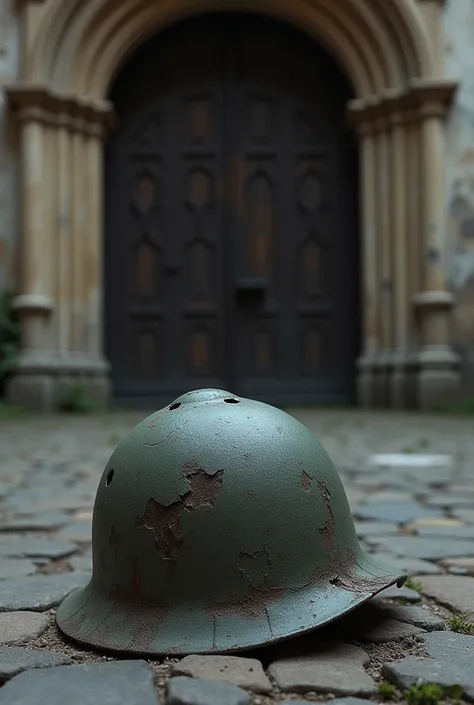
(36, 103)
(422, 99)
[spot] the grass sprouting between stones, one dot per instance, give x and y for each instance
(424, 694)
(431, 694)
(460, 623)
(413, 584)
(386, 691)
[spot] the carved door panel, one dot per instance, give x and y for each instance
(165, 231)
(230, 252)
(294, 286)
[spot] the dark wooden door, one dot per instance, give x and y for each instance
(230, 221)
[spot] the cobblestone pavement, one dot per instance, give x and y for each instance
(419, 518)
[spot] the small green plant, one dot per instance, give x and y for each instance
(386, 691)
(465, 406)
(424, 694)
(460, 623)
(9, 338)
(413, 584)
(76, 400)
(454, 692)
(9, 412)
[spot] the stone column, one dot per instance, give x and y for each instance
(384, 261)
(398, 391)
(438, 377)
(64, 235)
(61, 243)
(32, 385)
(93, 246)
(361, 114)
(413, 254)
(79, 193)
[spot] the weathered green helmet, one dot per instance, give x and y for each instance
(220, 524)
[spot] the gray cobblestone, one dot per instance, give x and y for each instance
(409, 671)
(338, 669)
(15, 659)
(455, 592)
(129, 682)
(18, 627)
(196, 691)
(245, 672)
(38, 592)
(452, 647)
(47, 491)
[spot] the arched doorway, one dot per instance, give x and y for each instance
(231, 237)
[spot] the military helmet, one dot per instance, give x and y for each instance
(220, 524)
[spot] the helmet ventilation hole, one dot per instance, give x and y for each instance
(110, 477)
(231, 400)
(174, 406)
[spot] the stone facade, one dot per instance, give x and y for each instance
(409, 64)
(459, 195)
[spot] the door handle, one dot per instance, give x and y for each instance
(172, 267)
(251, 284)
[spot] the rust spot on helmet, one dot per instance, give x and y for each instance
(327, 530)
(358, 584)
(204, 487)
(250, 606)
(306, 481)
(255, 567)
(165, 520)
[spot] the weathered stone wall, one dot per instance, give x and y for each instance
(9, 55)
(459, 64)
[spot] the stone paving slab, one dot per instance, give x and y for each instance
(43, 521)
(13, 567)
(244, 672)
(454, 592)
(18, 627)
(197, 691)
(398, 512)
(417, 516)
(338, 669)
(127, 682)
(412, 566)
(12, 546)
(408, 672)
(39, 592)
(15, 659)
(409, 614)
(433, 549)
(452, 647)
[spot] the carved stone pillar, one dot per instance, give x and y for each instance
(413, 244)
(362, 116)
(438, 376)
(35, 301)
(59, 304)
(384, 265)
(398, 381)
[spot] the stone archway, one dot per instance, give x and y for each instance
(390, 51)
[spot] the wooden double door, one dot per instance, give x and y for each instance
(230, 246)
